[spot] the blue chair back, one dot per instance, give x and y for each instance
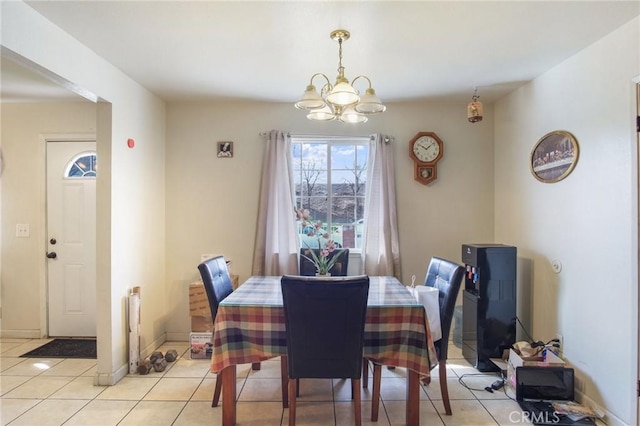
(216, 280)
(447, 277)
(339, 269)
(325, 320)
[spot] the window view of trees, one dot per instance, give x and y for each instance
(330, 181)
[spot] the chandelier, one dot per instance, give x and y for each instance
(339, 101)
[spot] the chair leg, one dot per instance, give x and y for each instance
(375, 397)
(355, 387)
(297, 387)
(284, 380)
(292, 402)
(442, 365)
(216, 392)
(365, 373)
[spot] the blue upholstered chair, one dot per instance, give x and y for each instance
(324, 320)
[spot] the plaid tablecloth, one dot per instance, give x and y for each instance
(250, 326)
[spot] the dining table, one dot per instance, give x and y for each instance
(250, 328)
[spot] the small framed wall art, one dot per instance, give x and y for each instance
(225, 149)
(554, 156)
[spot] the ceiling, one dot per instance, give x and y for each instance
(268, 50)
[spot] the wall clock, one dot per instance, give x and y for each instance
(425, 149)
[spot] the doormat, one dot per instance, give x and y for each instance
(65, 348)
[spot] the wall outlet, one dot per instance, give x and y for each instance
(22, 230)
(561, 342)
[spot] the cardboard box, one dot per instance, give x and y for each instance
(202, 324)
(501, 363)
(515, 361)
(200, 346)
(198, 301)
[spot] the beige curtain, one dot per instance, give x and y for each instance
(276, 250)
(380, 246)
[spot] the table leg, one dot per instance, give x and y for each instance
(413, 398)
(228, 376)
(284, 379)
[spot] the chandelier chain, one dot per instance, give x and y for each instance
(340, 67)
(475, 96)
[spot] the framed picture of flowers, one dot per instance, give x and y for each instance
(554, 156)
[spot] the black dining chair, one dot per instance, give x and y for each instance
(217, 284)
(447, 277)
(324, 320)
(339, 269)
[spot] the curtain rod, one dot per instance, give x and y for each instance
(387, 139)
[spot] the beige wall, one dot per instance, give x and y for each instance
(212, 203)
(25, 127)
(130, 183)
(588, 221)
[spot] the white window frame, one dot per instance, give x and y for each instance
(87, 174)
(333, 141)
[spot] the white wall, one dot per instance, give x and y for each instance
(130, 183)
(588, 221)
(212, 203)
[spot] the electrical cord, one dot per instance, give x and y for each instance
(524, 329)
(489, 388)
(504, 386)
(540, 345)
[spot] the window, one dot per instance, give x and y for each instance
(330, 177)
(83, 165)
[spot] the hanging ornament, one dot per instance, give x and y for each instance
(474, 109)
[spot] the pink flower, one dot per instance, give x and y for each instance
(303, 214)
(314, 228)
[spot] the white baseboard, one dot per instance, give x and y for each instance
(609, 418)
(151, 347)
(21, 334)
(177, 337)
(110, 379)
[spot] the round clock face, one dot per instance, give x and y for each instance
(426, 149)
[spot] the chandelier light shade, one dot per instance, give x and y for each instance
(339, 101)
(474, 109)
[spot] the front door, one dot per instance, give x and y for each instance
(71, 238)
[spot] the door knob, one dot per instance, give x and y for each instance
(52, 255)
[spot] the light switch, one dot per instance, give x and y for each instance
(22, 230)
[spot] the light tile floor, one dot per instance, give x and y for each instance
(36, 391)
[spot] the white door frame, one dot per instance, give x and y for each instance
(637, 311)
(43, 231)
